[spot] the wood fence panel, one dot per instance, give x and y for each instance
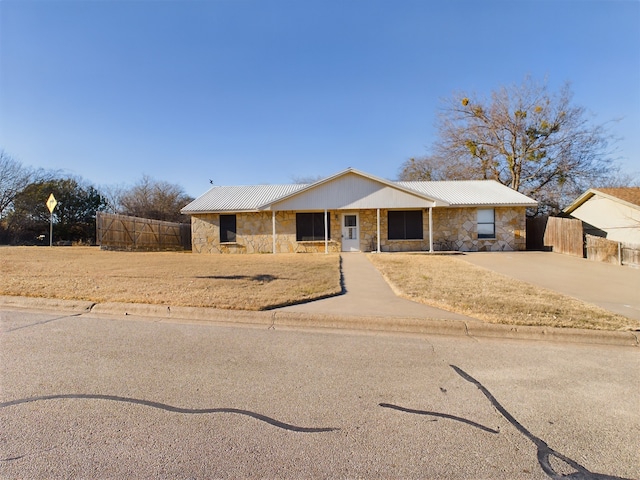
(121, 232)
(631, 255)
(535, 232)
(602, 250)
(565, 235)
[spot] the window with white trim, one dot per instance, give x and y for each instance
(486, 223)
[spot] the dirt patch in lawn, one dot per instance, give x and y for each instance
(246, 282)
(452, 284)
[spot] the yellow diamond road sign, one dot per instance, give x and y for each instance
(51, 203)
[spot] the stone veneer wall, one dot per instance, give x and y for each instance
(205, 234)
(457, 229)
(454, 229)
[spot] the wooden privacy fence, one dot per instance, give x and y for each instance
(630, 255)
(536, 227)
(121, 232)
(565, 236)
(603, 250)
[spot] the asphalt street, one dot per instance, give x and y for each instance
(89, 396)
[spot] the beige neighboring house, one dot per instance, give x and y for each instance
(613, 213)
(355, 211)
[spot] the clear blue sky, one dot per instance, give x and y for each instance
(262, 91)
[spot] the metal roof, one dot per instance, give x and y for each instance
(239, 198)
(444, 193)
(461, 193)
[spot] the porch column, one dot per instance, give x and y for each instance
(377, 230)
(431, 229)
(273, 230)
(326, 232)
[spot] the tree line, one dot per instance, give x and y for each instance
(25, 218)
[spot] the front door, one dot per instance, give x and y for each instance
(350, 233)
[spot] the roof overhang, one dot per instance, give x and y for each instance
(586, 196)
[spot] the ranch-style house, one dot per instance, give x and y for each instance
(355, 211)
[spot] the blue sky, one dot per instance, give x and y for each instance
(264, 91)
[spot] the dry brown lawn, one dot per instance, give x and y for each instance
(455, 285)
(259, 282)
(247, 282)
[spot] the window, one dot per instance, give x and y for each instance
(405, 225)
(486, 223)
(351, 227)
(227, 228)
(310, 227)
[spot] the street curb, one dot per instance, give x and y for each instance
(74, 306)
(276, 318)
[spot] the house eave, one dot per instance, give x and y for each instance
(493, 205)
(586, 196)
(212, 212)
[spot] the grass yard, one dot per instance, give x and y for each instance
(455, 285)
(247, 282)
(259, 282)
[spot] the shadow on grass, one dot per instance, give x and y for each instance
(254, 278)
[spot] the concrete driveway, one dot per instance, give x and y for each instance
(611, 287)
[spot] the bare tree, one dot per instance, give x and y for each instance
(155, 199)
(306, 179)
(617, 179)
(14, 177)
(431, 168)
(525, 137)
(112, 195)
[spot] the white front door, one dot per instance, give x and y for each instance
(350, 232)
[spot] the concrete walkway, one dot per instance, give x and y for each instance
(366, 293)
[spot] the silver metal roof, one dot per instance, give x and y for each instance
(471, 193)
(323, 194)
(239, 198)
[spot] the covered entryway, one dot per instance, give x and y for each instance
(350, 232)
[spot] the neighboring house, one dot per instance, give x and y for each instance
(613, 213)
(355, 211)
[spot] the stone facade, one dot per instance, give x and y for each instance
(454, 229)
(254, 234)
(457, 229)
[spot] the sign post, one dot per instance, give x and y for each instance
(51, 204)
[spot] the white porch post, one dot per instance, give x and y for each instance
(273, 230)
(377, 230)
(431, 229)
(326, 232)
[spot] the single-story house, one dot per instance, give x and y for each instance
(613, 213)
(355, 211)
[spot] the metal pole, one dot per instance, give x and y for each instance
(619, 253)
(326, 232)
(51, 230)
(431, 229)
(273, 230)
(377, 230)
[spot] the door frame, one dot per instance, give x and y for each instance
(352, 245)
